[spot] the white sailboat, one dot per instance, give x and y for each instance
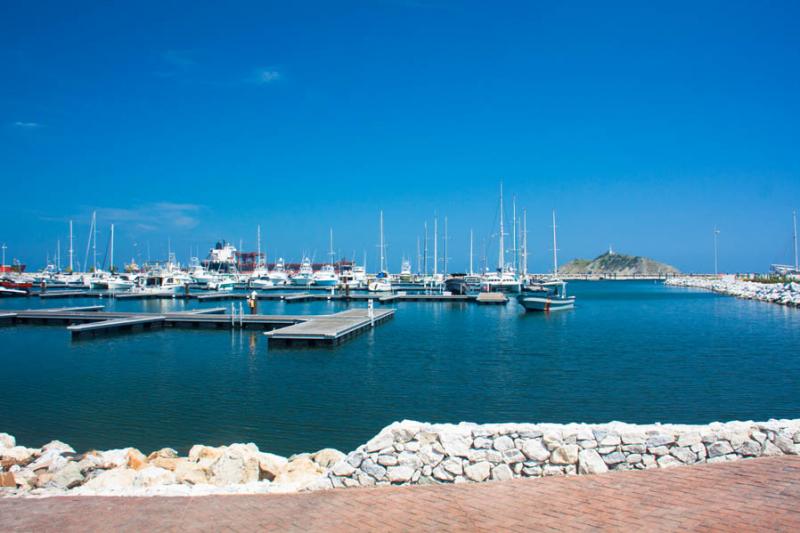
(549, 295)
(504, 279)
(381, 283)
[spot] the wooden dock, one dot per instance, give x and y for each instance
(312, 330)
(329, 329)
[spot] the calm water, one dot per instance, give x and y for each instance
(631, 351)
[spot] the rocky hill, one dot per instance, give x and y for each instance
(614, 263)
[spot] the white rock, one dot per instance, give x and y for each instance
(565, 455)
(399, 474)
(152, 476)
(502, 473)
(478, 471)
(382, 440)
(503, 443)
(590, 462)
(535, 450)
(57, 445)
(7, 441)
(456, 441)
(453, 466)
(111, 480)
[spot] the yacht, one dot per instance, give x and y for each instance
(278, 275)
(504, 280)
(381, 283)
(405, 272)
(326, 277)
(122, 282)
(305, 276)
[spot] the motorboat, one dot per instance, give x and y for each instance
(305, 276)
(546, 296)
(326, 277)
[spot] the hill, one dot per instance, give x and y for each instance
(614, 263)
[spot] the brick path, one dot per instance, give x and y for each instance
(761, 494)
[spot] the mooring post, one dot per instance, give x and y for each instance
(371, 312)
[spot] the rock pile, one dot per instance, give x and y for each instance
(780, 293)
(415, 453)
(403, 453)
(56, 468)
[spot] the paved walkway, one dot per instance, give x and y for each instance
(756, 494)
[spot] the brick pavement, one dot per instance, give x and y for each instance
(756, 494)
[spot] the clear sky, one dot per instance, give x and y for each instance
(643, 123)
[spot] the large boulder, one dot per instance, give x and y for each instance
(66, 478)
(112, 480)
(152, 476)
(20, 454)
(270, 465)
(200, 451)
(327, 457)
(57, 445)
(136, 459)
(7, 441)
(190, 472)
(299, 473)
(237, 464)
(590, 462)
(164, 453)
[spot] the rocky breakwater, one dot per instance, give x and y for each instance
(416, 453)
(56, 468)
(779, 293)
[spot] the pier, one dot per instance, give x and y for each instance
(282, 330)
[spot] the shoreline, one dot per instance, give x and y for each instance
(403, 453)
(787, 294)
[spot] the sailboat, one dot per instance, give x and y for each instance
(504, 279)
(381, 283)
(548, 295)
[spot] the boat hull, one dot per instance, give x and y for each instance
(545, 304)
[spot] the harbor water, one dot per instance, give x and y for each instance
(630, 351)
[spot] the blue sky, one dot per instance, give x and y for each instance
(643, 123)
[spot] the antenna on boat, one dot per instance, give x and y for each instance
(555, 247)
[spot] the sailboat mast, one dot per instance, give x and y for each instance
(58, 255)
(514, 232)
(382, 269)
(94, 240)
(332, 253)
(435, 244)
(419, 257)
(470, 252)
(111, 262)
(258, 245)
(425, 248)
(445, 246)
(501, 251)
(555, 247)
(70, 247)
(524, 242)
(794, 233)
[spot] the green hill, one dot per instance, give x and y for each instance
(614, 263)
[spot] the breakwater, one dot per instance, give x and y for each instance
(779, 293)
(403, 453)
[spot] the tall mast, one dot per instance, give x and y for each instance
(555, 247)
(383, 259)
(425, 248)
(524, 242)
(794, 236)
(70, 247)
(94, 240)
(58, 255)
(332, 253)
(88, 245)
(716, 253)
(514, 231)
(470, 252)
(258, 246)
(419, 257)
(4, 255)
(501, 252)
(435, 244)
(111, 262)
(445, 245)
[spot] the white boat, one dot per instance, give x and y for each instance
(99, 280)
(223, 283)
(305, 276)
(501, 281)
(405, 272)
(123, 282)
(261, 283)
(326, 277)
(550, 295)
(278, 275)
(381, 283)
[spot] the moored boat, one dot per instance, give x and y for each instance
(546, 296)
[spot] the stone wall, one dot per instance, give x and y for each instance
(779, 293)
(416, 453)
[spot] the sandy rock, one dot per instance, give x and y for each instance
(136, 459)
(565, 455)
(167, 463)
(300, 472)
(112, 480)
(113, 458)
(190, 473)
(152, 476)
(58, 446)
(20, 454)
(199, 451)
(66, 478)
(7, 441)
(236, 465)
(327, 457)
(270, 465)
(7, 479)
(164, 453)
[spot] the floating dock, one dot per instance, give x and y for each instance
(283, 330)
